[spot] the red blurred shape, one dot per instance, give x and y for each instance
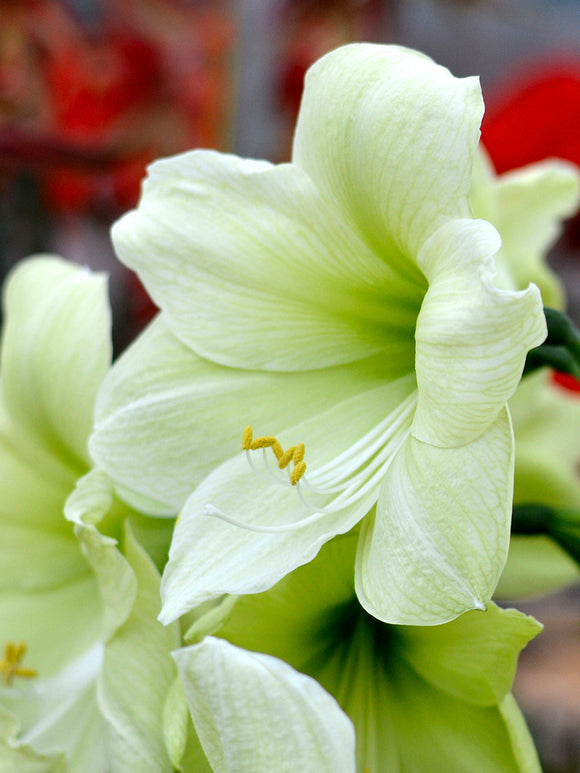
(537, 120)
(566, 381)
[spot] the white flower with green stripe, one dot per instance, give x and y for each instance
(342, 305)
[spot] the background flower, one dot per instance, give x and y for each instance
(74, 621)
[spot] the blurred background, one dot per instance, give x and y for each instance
(92, 90)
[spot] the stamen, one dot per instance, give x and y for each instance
(266, 441)
(339, 483)
(10, 664)
(272, 474)
(298, 455)
(297, 472)
(294, 454)
(278, 451)
(286, 457)
(247, 438)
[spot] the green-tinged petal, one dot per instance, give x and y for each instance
(522, 743)
(546, 421)
(166, 418)
(440, 537)
(137, 674)
(88, 505)
(526, 206)
(535, 566)
(390, 136)
(15, 756)
(291, 621)
(453, 736)
(392, 680)
(60, 714)
(472, 338)
(26, 760)
(38, 550)
(56, 625)
(474, 657)
(532, 202)
(249, 710)
(55, 351)
(209, 557)
(175, 723)
(253, 269)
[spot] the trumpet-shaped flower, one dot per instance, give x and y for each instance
(421, 698)
(69, 602)
(344, 307)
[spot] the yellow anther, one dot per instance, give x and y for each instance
(297, 472)
(247, 439)
(266, 441)
(278, 450)
(286, 457)
(298, 455)
(10, 664)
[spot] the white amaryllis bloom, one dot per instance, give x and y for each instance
(343, 305)
(78, 624)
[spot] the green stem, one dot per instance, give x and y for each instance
(561, 524)
(560, 350)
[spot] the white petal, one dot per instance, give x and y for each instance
(253, 269)
(440, 537)
(55, 351)
(166, 418)
(255, 714)
(137, 674)
(472, 338)
(209, 557)
(531, 203)
(390, 136)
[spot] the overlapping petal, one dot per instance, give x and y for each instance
(136, 676)
(473, 657)
(390, 136)
(249, 710)
(254, 269)
(59, 715)
(527, 206)
(440, 537)
(55, 351)
(165, 418)
(546, 422)
(472, 338)
(30, 498)
(250, 560)
(451, 680)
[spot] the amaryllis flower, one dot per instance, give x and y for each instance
(343, 306)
